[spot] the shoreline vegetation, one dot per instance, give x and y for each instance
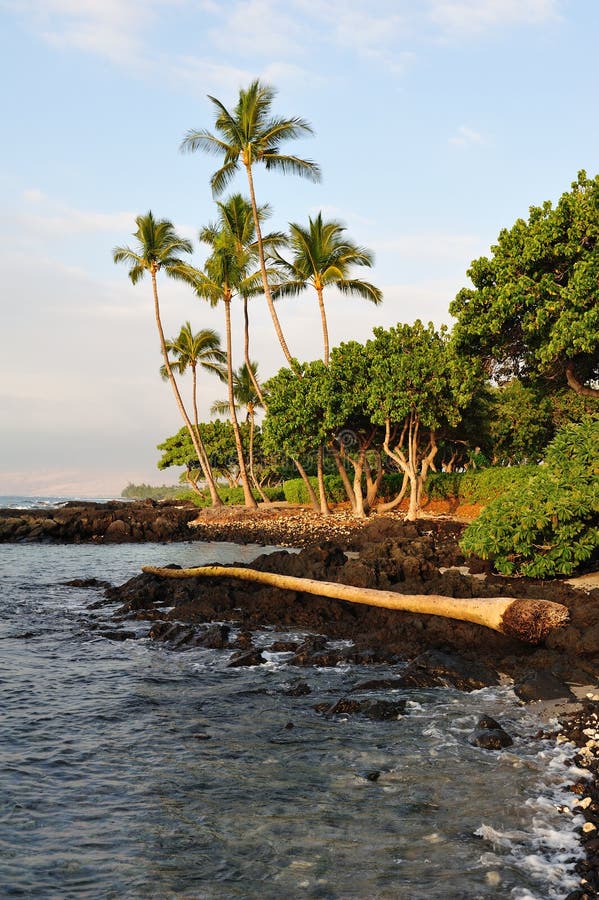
(559, 676)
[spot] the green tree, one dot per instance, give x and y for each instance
(324, 256)
(295, 423)
(159, 247)
(218, 438)
(247, 135)
(521, 423)
(417, 386)
(353, 435)
(534, 309)
(191, 351)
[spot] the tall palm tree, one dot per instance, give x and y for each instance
(229, 271)
(323, 256)
(248, 398)
(237, 218)
(160, 247)
(192, 351)
(251, 134)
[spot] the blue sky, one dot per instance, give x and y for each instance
(437, 123)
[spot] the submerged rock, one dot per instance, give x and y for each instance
(378, 710)
(437, 669)
(251, 657)
(490, 735)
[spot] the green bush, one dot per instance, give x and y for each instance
(549, 524)
(295, 491)
(231, 496)
(444, 485)
(485, 485)
(478, 486)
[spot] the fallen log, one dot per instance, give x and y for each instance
(527, 620)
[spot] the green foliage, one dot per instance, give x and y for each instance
(251, 132)
(534, 308)
(150, 492)
(521, 424)
(295, 491)
(485, 485)
(295, 424)
(445, 486)
(550, 525)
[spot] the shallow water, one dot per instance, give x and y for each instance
(130, 771)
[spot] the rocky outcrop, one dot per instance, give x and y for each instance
(112, 522)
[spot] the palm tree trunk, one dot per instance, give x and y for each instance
(204, 462)
(265, 285)
(528, 620)
(195, 439)
(325, 329)
(247, 491)
(246, 352)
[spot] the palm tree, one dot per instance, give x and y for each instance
(323, 256)
(251, 134)
(160, 247)
(228, 272)
(236, 216)
(191, 351)
(246, 396)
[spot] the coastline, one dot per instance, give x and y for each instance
(384, 551)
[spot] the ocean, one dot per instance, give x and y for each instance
(131, 771)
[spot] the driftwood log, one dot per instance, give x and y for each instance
(527, 620)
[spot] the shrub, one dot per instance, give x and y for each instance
(548, 525)
(295, 491)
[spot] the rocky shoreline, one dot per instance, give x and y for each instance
(382, 552)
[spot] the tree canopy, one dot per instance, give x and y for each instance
(534, 309)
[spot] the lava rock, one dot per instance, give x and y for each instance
(490, 735)
(436, 669)
(542, 686)
(378, 710)
(251, 657)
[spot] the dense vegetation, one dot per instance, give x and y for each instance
(548, 524)
(401, 414)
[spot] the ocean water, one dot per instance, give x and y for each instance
(129, 771)
(19, 501)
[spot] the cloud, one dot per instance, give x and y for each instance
(433, 246)
(277, 40)
(263, 25)
(45, 216)
(466, 137)
(464, 17)
(108, 28)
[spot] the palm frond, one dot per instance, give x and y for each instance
(221, 408)
(289, 289)
(280, 129)
(223, 176)
(293, 165)
(203, 140)
(361, 289)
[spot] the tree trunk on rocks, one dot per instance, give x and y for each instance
(527, 620)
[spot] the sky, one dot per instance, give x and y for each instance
(436, 124)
